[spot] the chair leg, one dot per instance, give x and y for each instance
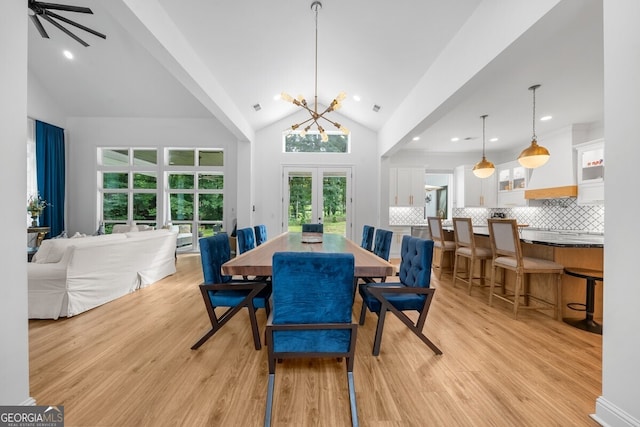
(492, 285)
(363, 313)
(440, 263)
(471, 265)
(267, 414)
(456, 258)
(254, 327)
(378, 339)
(352, 400)
(516, 297)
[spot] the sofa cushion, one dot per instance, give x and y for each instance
(52, 250)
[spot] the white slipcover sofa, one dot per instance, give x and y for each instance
(70, 276)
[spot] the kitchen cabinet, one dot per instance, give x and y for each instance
(406, 187)
(512, 181)
(471, 191)
(396, 240)
(590, 170)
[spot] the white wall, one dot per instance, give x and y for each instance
(618, 405)
(269, 160)
(14, 336)
(86, 134)
(40, 106)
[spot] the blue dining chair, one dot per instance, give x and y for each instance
(311, 317)
(411, 293)
(219, 290)
(246, 240)
(312, 228)
(381, 247)
(367, 237)
(261, 234)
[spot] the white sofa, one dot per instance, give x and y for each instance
(70, 276)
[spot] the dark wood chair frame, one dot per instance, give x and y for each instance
(274, 356)
(378, 292)
(218, 322)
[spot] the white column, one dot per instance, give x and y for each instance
(14, 336)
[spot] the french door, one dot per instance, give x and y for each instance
(317, 195)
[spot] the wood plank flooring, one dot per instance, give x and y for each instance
(129, 363)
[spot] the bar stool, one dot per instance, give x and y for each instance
(592, 276)
(443, 246)
(466, 248)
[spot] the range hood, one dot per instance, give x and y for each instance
(552, 192)
(557, 178)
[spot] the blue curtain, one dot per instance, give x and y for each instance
(50, 165)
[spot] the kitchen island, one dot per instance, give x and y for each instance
(567, 247)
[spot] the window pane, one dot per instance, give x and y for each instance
(311, 143)
(210, 207)
(145, 157)
(144, 206)
(210, 181)
(115, 157)
(181, 206)
(211, 158)
(115, 206)
(111, 180)
(208, 230)
(181, 157)
(181, 181)
(146, 180)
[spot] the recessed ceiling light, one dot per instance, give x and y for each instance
(276, 97)
(356, 98)
(455, 139)
(67, 54)
(545, 118)
(416, 138)
(493, 139)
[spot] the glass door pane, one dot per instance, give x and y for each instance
(318, 195)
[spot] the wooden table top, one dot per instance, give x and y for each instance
(257, 262)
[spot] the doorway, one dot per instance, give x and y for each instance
(317, 195)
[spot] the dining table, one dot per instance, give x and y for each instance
(257, 261)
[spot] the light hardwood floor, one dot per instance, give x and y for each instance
(129, 363)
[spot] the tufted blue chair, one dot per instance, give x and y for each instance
(411, 293)
(261, 234)
(312, 228)
(367, 237)
(246, 240)
(312, 301)
(381, 247)
(222, 291)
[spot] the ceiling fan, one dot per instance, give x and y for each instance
(44, 11)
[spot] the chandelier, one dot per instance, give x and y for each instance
(300, 101)
(535, 155)
(484, 168)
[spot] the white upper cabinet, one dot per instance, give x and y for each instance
(471, 191)
(590, 172)
(512, 181)
(406, 187)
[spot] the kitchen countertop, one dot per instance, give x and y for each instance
(559, 238)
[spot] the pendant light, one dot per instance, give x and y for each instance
(535, 155)
(484, 168)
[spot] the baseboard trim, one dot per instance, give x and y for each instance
(609, 415)
(29, 402)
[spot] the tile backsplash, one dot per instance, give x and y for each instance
(557, 214)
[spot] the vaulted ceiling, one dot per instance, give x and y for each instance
(246, 52)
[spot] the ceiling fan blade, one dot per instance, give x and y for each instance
(64, 30)
(75, 24)
(64, 7)
(38, 24)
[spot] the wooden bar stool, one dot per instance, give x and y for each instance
(466, 248)
(592, 276)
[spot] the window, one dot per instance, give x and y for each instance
(128, 186)
(195, 189)
(311, 143)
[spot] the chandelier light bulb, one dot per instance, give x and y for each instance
(286, 97)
